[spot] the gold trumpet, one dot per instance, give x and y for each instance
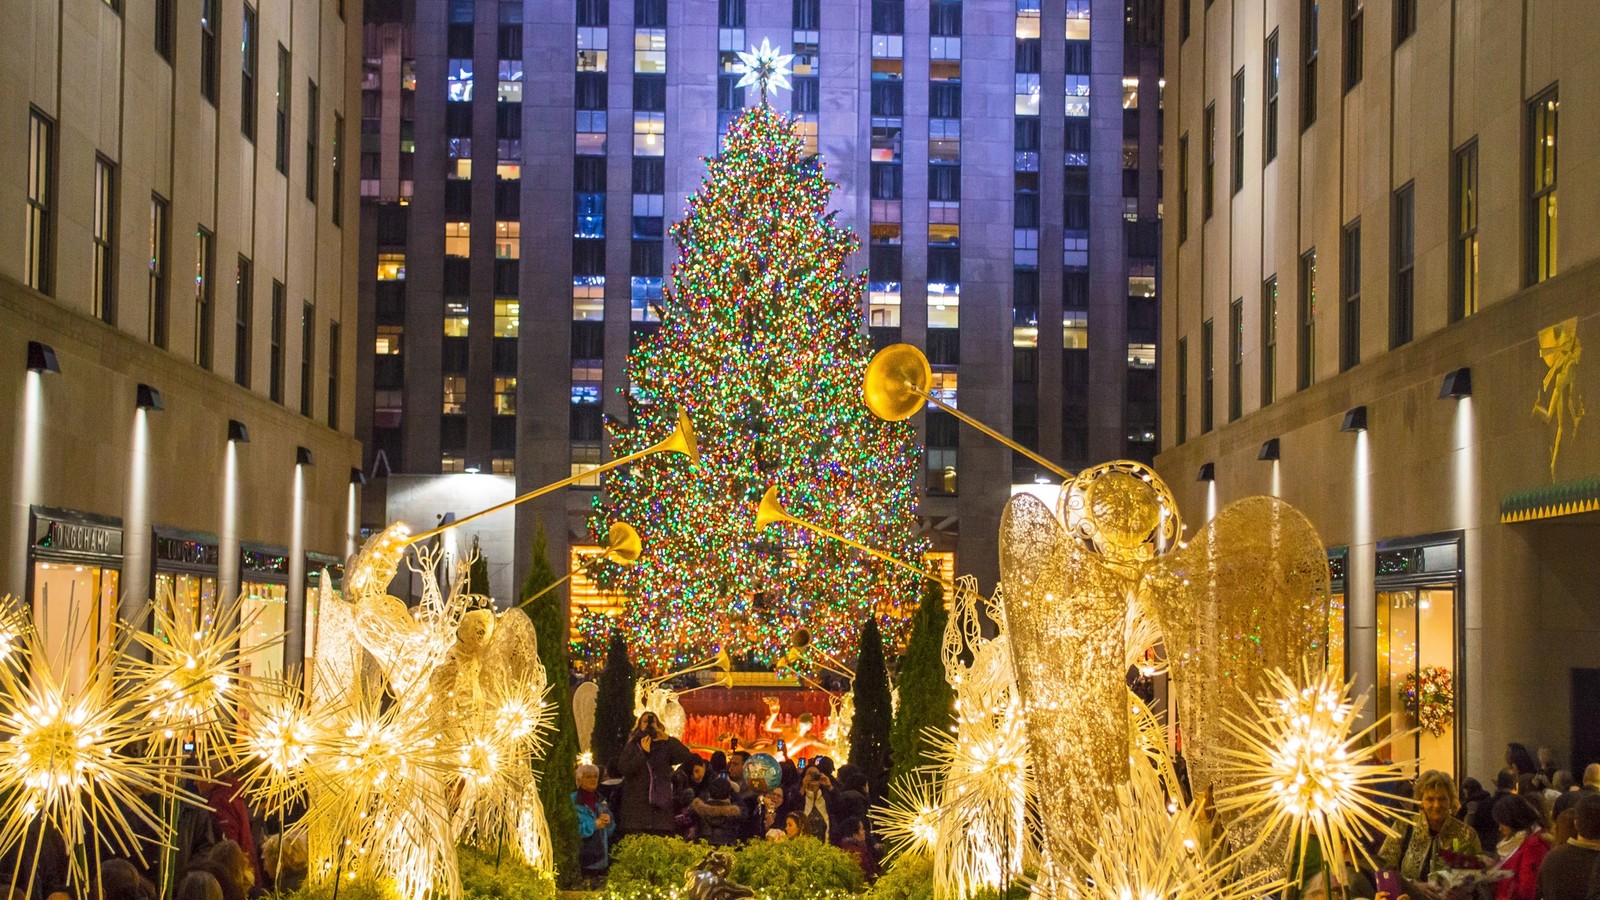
(681, 440)
(623, 547)
(897, 384)
(771, 510)
(720, 662)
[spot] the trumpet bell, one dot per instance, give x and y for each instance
(771, 510)
(682, 440)
(897, 382)
(623, 544)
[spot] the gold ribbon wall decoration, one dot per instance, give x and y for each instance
(1559, 400)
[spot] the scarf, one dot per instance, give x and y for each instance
(590, 799)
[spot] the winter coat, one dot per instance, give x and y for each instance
(638, 771)
(594, 843)
(1523, 864)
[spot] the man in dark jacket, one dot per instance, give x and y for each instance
(1568, 871)
(646, 764)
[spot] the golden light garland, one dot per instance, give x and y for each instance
(1302, 771)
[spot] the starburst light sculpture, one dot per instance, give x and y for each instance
(764, 67)
(1302, 770)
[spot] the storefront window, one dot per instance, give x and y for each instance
(193, 598)
(1336, 616)
(1417, 592)
(73, 608)
(263, 607)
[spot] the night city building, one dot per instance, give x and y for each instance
(1367, 312)
(177, 268)
(522, 162)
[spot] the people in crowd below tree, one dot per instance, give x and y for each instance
(1547, 763)
(1522, 848)
(736, 780)
(1591, 777)
(1426, 843)
(1482, 821)
(1562, 781)
(1520, 760)
(689, 781)
(225, 796)
(284, 862)
(120, 880)
(228, 859)
(853, 840)
(721, 821)
(646, 763)
(849, 800)
(1568, 872)
(765, 812)
(1564, 818)
(198, 885)
(816, 791)
(595, 825)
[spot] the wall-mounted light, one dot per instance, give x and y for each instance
(1457, 384)
(357, 476)
(473, 468)
(147, 397)
(237, 433)
(302, 456)
(42, 358)
(1269, 449)
(1355, 419)
(1208, 472)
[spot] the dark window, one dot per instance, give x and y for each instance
(807, 94)
(1464, 228)
(1405, 20)
(883, 262)
(1026, 206)
(1350, 297)
(1183, 382)
(1306, 320)
(205, 268)
(280, 316)
(730, 13)
(1354, 42)
(1077, 57)
(729, 95)
(1270, 113)
(1208, 171)
(208, 49)
(1269, 340)
(247, 67)
(650, 13)
(1235, 358)
(39, 249)
(944, 265)
(589, 174)
(944, 100)
(1542, 119)
(1183, 187)
(338, 169)
(944, 182)
(807, 15)
(1184, 15)
(281, 147)
(888, 99)
(588, 257)
(313, 129)
(458, 40)
(333, 375)
(509, 39)
(104, 285)
(944, 18)
(888, 16)
(508, 121)
(1238, 130)
(1308, 54)
(308, 340)
(160, 284)
(886, 181)
(589, 90)
(645, 258)
(1403, 298)
(166, 26)
(649, 92)
(593, 13)
(1207, 376)
(649, 175)
(243, 310)
(458, 120)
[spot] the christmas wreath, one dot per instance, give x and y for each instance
(1430, 698)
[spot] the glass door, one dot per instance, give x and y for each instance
(1416, 633)
(73, 607)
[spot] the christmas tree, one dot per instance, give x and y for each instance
(761, 342)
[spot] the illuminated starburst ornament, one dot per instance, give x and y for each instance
(764, 67)
(1301, 774)
(909, 823)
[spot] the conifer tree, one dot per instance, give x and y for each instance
(555, 768)
(869, 731)
(926, 700)
(613, 708)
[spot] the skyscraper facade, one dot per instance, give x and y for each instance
(522, 163)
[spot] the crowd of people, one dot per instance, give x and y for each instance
(659, 786)
(1536, 837)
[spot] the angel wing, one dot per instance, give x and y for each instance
(1064, 609)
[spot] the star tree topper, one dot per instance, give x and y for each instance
(762, 66)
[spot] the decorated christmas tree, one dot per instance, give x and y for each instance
(762, 344)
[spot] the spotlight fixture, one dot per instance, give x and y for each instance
(357, 476)
(237, 433)
(1208, 472)
(302, 456)
(1269, 449)
(1355, 419)
(147, 397)
(42, 358)
(1457, 384)
(472, 469)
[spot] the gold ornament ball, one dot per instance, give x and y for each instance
(1124, 508)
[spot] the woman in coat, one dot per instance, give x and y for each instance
(1435, 838)
(646, 765)
(1523, 846)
